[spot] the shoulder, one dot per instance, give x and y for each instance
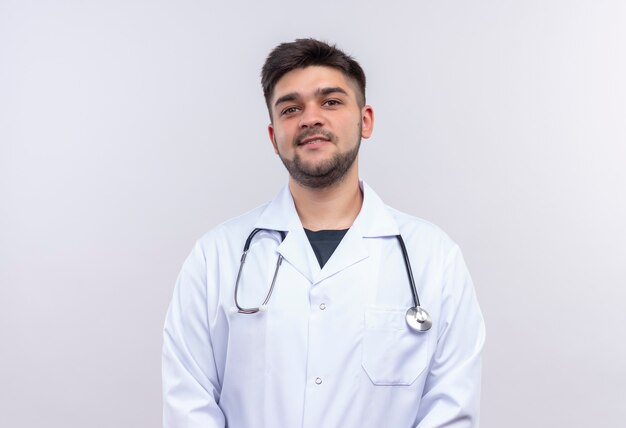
(422, 233)
(232, 232)
(415, 225)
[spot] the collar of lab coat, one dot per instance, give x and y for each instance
(374, 220)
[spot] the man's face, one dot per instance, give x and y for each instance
(317, 125)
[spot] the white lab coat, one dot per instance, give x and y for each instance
(333, 348)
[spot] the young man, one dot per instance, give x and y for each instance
(313, 329)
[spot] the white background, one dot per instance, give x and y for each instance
(129, 128)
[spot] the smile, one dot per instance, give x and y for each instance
(314, 139)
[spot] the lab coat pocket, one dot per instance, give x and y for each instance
(393, 354)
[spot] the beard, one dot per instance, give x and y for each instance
(322, 174)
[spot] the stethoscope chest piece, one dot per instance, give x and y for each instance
(418, 319)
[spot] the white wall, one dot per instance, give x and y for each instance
(128, 129)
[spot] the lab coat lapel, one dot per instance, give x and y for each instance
(281, 214)
(297, 250)
(374, 220)
(351, 250)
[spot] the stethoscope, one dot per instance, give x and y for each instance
(417, 318)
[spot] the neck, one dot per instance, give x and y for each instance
(329, 208)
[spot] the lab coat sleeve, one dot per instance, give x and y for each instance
(451, 395)
(190, 382)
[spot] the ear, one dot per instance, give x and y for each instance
(367, 115)
(270, 131)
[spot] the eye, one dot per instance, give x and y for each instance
(332, 103)
(289, 110)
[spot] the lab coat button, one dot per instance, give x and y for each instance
(322, 306)
(318, 381)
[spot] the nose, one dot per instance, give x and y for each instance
(311, 117)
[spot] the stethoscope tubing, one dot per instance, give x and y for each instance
(409, 271)
(417, 317)
(246, 248)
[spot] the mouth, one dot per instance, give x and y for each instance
(308, 141)
(313, 139)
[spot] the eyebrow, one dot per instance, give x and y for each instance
(331, 90)
(289, 97)
(321, 91)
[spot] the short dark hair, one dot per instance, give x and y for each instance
(304, 53)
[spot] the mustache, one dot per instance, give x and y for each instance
(314, 131)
